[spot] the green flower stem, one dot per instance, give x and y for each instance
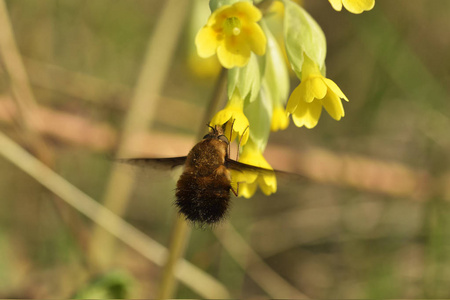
(181, 231)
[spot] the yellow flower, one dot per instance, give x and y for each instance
(313, 92)
(233, 115)
(353, 6)
(233, 33)
(280, 119)
(249, 181)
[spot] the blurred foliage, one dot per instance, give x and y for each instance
(328, 241)
(113, 285)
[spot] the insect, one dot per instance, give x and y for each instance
(203, 190)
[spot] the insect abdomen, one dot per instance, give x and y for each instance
(203, 199)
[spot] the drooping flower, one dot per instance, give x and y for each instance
(313, 92)
(280, 119)
(233, 116)
(249, 181)
(232, 31)
(353, 6)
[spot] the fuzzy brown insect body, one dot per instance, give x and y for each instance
(203, 190)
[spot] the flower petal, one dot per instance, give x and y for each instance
(335, 89)
(255, 37)
(221, 117)
(298, 121)
(218, 16)
(299, 113)
(306, 91)
(206, 42)
(244, 176)
(232, 44)
(333, 106)
(358, 6)
(250, 180)
(233, 52)
(244, 137)
(247, 11)
(337, 4)
(280, 119)
(307, 114)
(318, 87)
(247, 190)
(227, 132)
(268, 184)
(294, 100)
(240, 123)
(241, 126)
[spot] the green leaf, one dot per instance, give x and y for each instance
(113, 285)
(246, 79)
(259, 114)
(302, 34)
(215, 4)
(276, 76)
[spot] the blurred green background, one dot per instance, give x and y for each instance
(372, 221)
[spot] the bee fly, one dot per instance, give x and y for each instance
(203, 190)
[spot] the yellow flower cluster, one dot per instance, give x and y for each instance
(233, 32)
(233, 116)
(314, 92)
(247, 182)
(236, 32)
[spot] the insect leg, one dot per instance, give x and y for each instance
(236, 192)
(239, 144)
(231, 135)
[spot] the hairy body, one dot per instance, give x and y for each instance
(203, 190)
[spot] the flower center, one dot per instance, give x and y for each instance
(232, 26)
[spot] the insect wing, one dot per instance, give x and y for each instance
(155, 163)
(238, 166)
(241, 167)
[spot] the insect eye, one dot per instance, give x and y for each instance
(206, 136)
(223, 138)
